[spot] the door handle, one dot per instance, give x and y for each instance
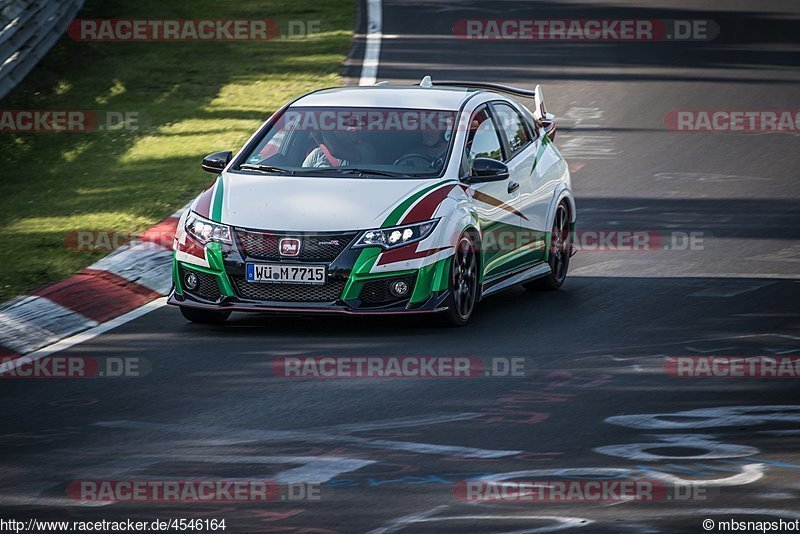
(512, 186)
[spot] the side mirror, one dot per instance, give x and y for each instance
(487, 170)
(217, 161)
(549, 125)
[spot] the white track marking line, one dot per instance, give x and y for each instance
(232, 436)
(83, 336)
(372, 51)
(35, 500)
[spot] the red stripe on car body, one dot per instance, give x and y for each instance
(407, 253)
(192, 247)
(203, 205)
(426, 207)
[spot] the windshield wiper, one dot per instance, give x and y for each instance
(265, 168)
(356, 171)
(376, 172)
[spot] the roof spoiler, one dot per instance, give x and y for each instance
(492, 86)
(539, 111)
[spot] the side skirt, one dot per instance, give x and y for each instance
(513, 278)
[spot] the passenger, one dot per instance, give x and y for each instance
(340, 148)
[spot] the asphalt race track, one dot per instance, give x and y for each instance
(390, 451)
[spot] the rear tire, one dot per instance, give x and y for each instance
(200, 316)
(463, 283)
(560, 250)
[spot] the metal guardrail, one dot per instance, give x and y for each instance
(28, 29)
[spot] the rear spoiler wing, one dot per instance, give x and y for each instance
(539, 111)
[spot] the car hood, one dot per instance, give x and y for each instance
(296, 203)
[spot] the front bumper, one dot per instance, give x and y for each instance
(351, 287)
(434, 305)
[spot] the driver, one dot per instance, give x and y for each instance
(433, 148)
(434, 144)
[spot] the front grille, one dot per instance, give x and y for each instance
(207, 285)
(376, 292)
(329, 292)
(316, 247)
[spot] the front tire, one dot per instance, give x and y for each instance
(560, 250)
(200, 316)
(463, 283)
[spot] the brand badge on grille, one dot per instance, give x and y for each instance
(289, 246)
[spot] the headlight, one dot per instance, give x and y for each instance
(397, 236)
(204, 230)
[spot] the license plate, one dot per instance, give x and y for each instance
(281, 273)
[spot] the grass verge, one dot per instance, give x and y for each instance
(191, 98)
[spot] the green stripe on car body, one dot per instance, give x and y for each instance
(369, 256)
(431, 278)
(364, 263)
(506, 245)
(394, 217)
(216, 208)
(176, 279)
(217, 267)
(532, 253)
(542, 148)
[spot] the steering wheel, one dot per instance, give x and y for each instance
(414, 158)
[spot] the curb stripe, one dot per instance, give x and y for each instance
(86, 335)
(20, 336)
(141, 264)
(163, 233)
(125, 283)
(98, 295)
(31, 322)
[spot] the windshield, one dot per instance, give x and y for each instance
(355, 141)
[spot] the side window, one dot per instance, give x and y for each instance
(513, 127)
(482, 141)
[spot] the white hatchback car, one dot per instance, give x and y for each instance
(380, 200)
